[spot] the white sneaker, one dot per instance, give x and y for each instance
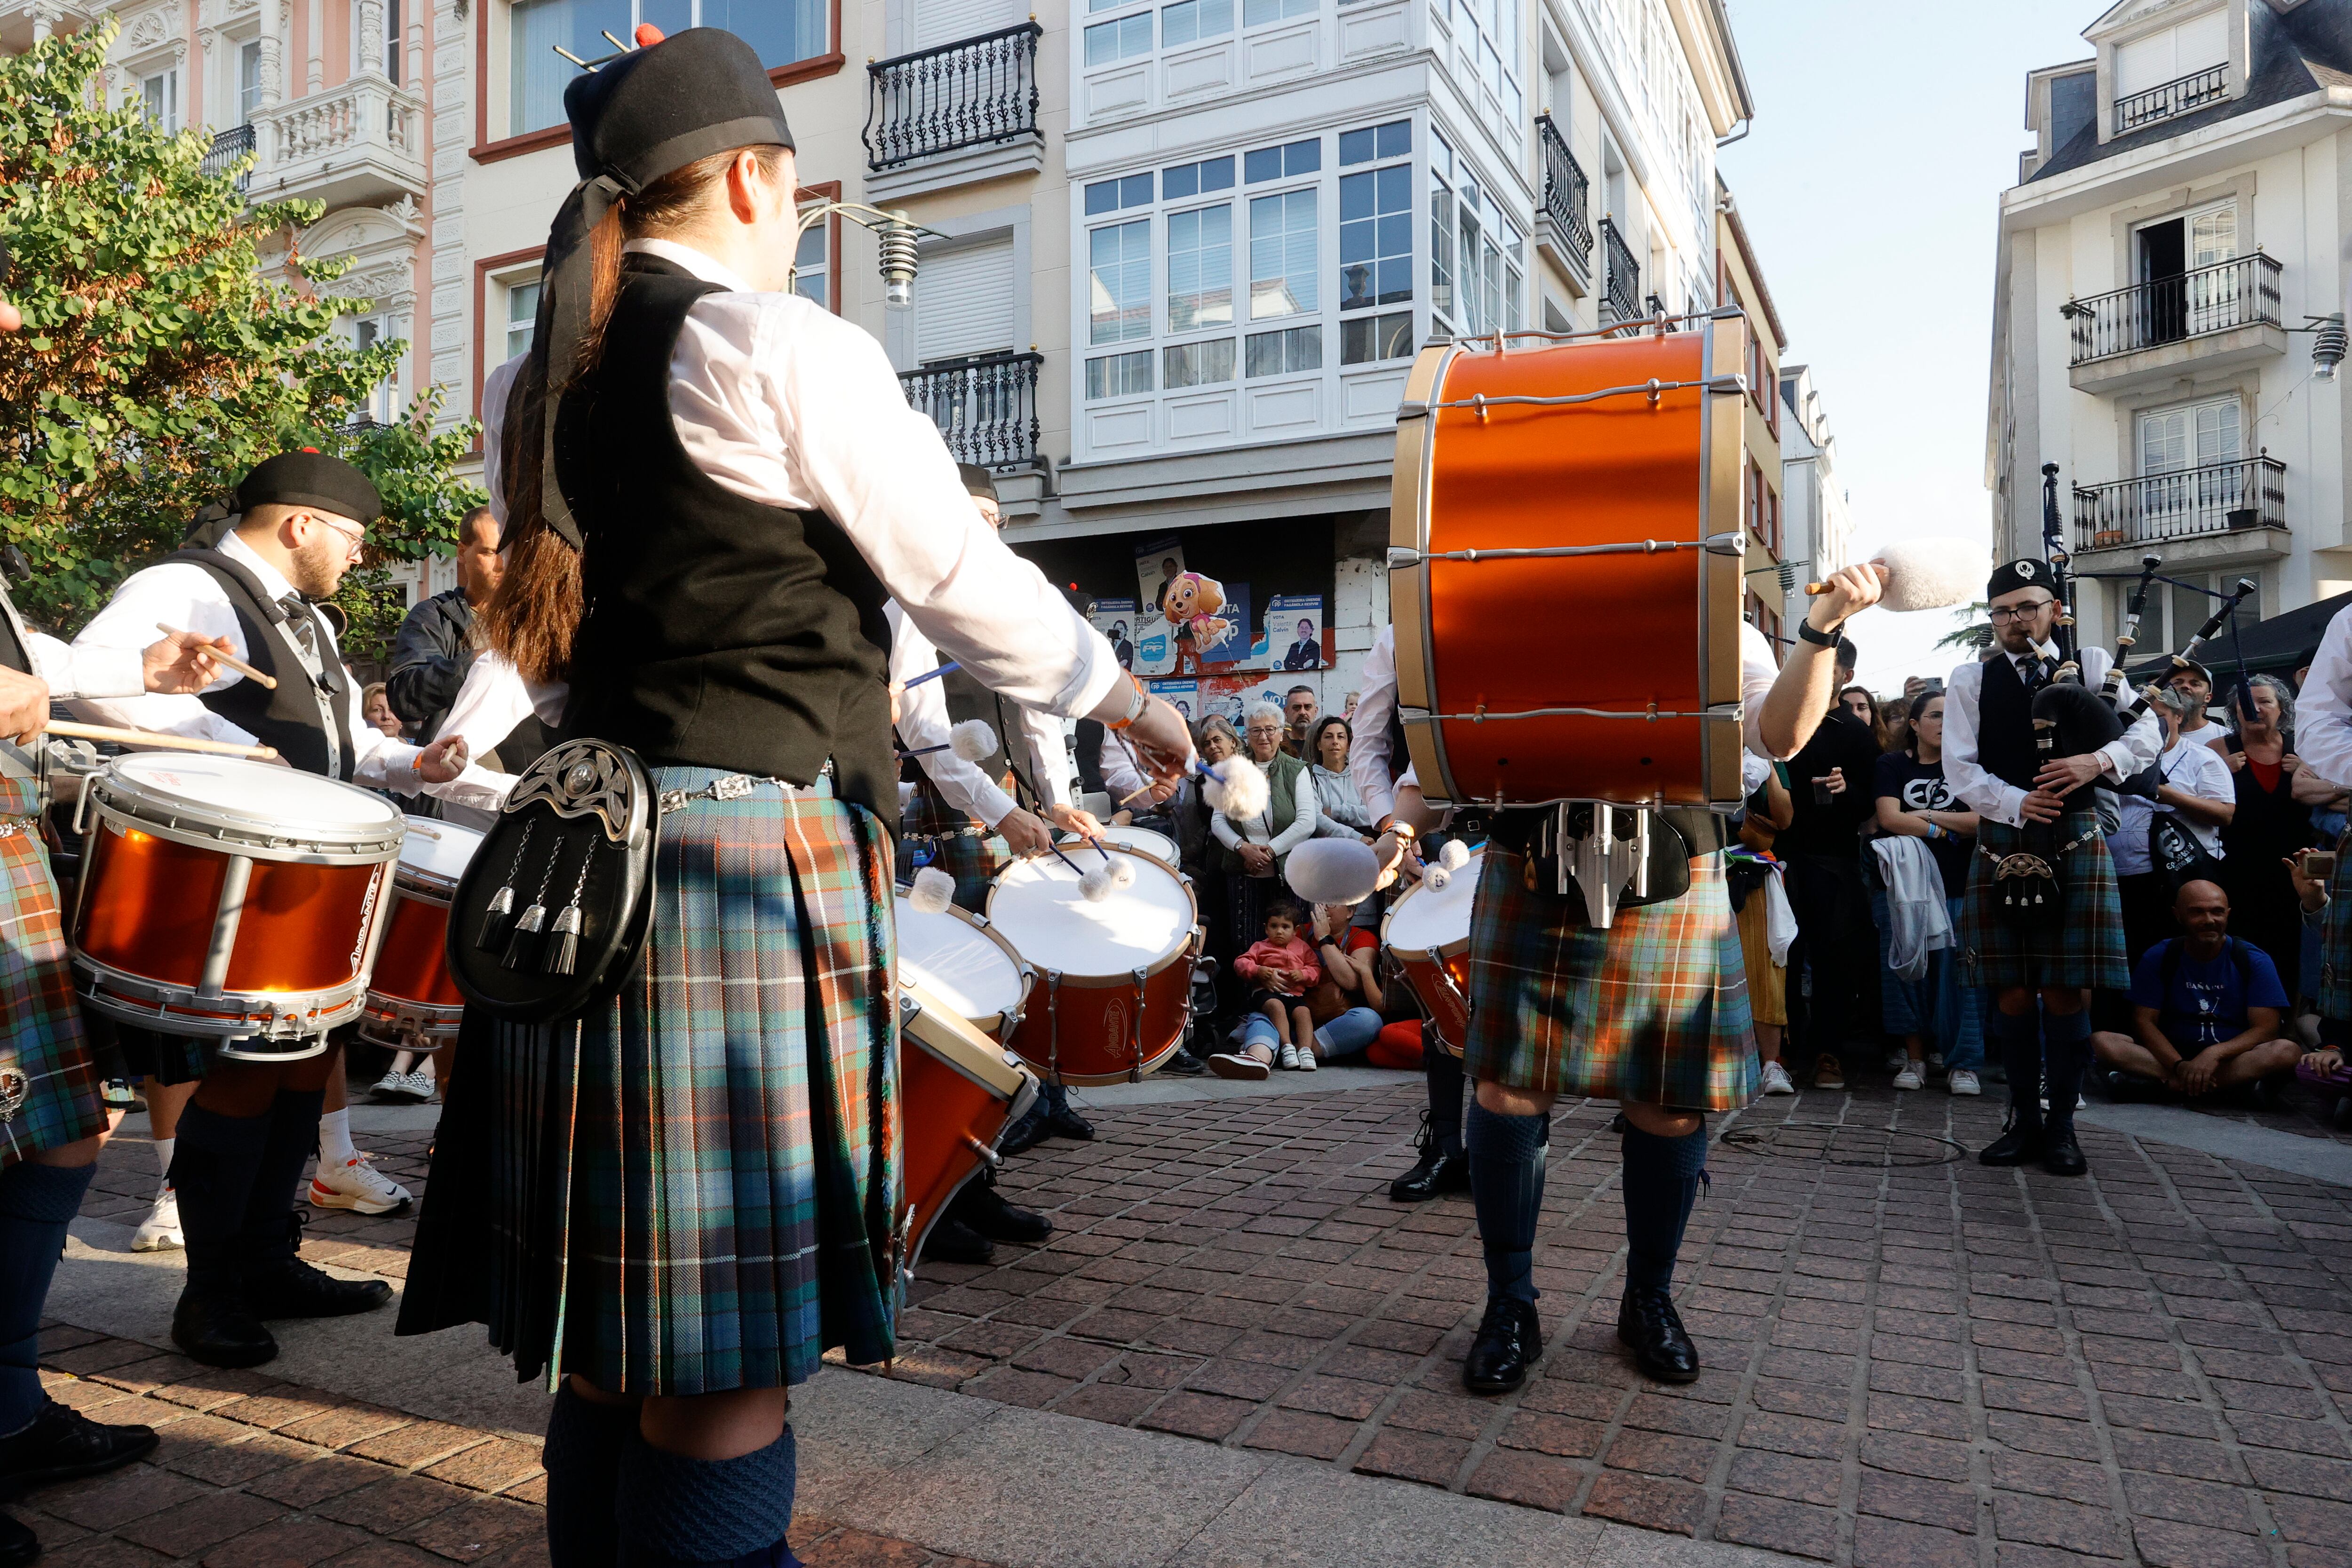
(1288, 1059)
(1908, 1078)
(1306, 1062)
(420, 1084)
(1776, 1079)
(390, 1086)
(358, 1186)
(1234, 1064)
(1963, 1081)
(160, 1231)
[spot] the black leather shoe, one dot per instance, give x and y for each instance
(1022, 1135)
(952, 1241)
(1647, 1321)
(19, 1544)
(981, 1208)
(1509, 1337)
(215, 1329)
(1183, 1064)
(1432, 1176)
(292, 1288)
(63, 1444)
(2061, 1155)
(1068, 1124)
(2013, 1147)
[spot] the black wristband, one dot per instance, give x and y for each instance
(1820, 639)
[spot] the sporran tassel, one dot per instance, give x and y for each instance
(498, 915)
(524, 944)
(564, 952)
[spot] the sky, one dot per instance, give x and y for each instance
(1871, 189)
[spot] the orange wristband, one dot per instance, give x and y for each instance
(1135, 708)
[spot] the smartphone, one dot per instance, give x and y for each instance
(2320, 864)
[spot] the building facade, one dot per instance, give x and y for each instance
(1817, 528)
(2177, 225)
(1739, 280)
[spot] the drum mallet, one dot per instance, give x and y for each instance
(219, 658)
(1932, 574)
(972, 739)
(157, 739)
(931, 675)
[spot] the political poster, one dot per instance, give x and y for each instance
(1185, 695)
(1158, 565)
(1116, 619)
(1233, 696)
(1294, 631)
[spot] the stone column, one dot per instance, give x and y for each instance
(371, 29)
(46, 19)
(274, 25)
(315, 75)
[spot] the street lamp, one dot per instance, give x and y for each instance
(898, 233)
(2328, 342)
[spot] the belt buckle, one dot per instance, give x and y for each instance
(734, 786)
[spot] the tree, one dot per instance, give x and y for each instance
(1975, 631)
(157, 364)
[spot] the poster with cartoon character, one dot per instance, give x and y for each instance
(1194, 607)
(1116, 619)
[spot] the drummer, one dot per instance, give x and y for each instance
(245, 1138)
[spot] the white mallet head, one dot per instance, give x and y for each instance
(1435, 878)
(1455, 855)
(1094, 885)
(1236, 788)
(1122, 871)
(1932, 574)
(933, 891)
(1332, 871)
(973, 740)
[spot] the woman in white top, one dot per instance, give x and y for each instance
(2193, 786)
(1338, 802)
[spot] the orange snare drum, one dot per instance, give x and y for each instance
(958, 1090)
(1619, 518)
(230, 900)
(1114, 986)
(411, 1002)
(1427, 933)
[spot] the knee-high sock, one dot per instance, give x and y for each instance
(677, 1512)
(1443, 1070)
(2067, 1038)
(2017, 1038)
(1661, 1177)
(36, 1202)
(212, 1167)
(585, 1440)
(268, 1233)
(1507, 1187)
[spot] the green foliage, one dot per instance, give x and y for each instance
(1975, 631)
(157, 364)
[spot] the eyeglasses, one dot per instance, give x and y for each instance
(2017, 613)
(354, 538)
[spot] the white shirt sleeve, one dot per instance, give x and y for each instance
(1118, 775)
(1368, 751)
(1221, 828)
(494, 698)
(923, 722)
(2208, 779)
(2137, 746)
(2323, 711)
(178, 595)
(74, 672)
(1758, 670)
(1985, 795)
(1049, 754)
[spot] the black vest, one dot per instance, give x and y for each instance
(2005, 731)
(295, 717)
(718, 632)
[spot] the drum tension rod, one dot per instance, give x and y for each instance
(1653, 389)
(1135, 1068)
(1400, 556)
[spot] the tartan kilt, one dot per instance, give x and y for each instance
(2087, 950)
(1652, 1010)
(2335, 989)
(932, 833)
(691, 1190)
(45, 1055)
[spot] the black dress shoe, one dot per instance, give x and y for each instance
(62, 1445)
(1509, 1337)
(19, 1544)
(1646, 1319)
(1433, 1175)
(1183, 1064)
(292, 1288)
(215, 1329)
(2013, 1147)
(1068, 1124)
(2061, 1155)
(981, 1208)
(1022, 1135)
(952, 1241)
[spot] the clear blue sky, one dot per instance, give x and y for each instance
(1871, 187)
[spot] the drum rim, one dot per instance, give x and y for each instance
(928, 1011)
(118, 993)
(229, 834)
(1130, 850)
(1448, 949)
(435, 880)
(422, 1020)
(1022, 966)
(114, 780)
(1092, 980)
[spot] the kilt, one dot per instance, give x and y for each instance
(2086, 951)
(933, 833)
(48, 1077)
(1652, 1010)
(691, 1189)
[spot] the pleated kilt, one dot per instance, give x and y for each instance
(48, 1077)
(690, 1191)
(933, 833)
(2335, 989)
(1652, 1010)
(2087, 949)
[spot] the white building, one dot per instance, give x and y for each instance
(2182, 212)
(1820, 529)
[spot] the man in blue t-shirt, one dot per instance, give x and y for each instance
(2207, 1010)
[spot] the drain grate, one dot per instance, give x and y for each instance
(1842, 1144)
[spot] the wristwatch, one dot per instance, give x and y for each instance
(1820, 639)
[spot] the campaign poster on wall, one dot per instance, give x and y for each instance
(1184, 694)
(1116, 619)
(1294, 631)
(1234, 696)
(1157, 565)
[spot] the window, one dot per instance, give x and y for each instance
(2171, 439)
(522, 315)
(1111, 196)
(1207, 364)
(367, 332)
(812, 264)
(1108, 43)
(1194, 179)
(1282, 163)
(249, 81)
(1119, 276)
(1483, 59)
(1376, 238)
(782, 31)
(1282, 254)
(159, 96)
(1119, 375)
(1253, 12)
(1393, 139)
(1199, 272)
(2178, 51)
(1365, 340)
(1193, 20)
(1442, 264)
(1280, 354)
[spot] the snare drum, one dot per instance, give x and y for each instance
(1142, 840)
(230, 900)
(955, 957)
(1427, 932)
(411, 1002)
(1114, 978)
(958, 1090)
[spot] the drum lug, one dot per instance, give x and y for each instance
(988, 1156)
(1135, 1068)
(1601, 863)
(226, 915)
(1053, 1023)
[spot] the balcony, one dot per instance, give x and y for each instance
(1621, 287)
(2155, 333)
(2220, 511)
(985, 407)
(2185, 95)
(229, 148)
(1564, 222)
(362, 143)
(954, 114)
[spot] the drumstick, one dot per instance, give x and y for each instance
(946, 668)
(157, 738)
(217, 657)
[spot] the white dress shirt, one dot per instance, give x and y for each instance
(494, 698)
(186, 597)
(923, 722)
(73, 672)
(2323, 710)
(2187, 767)
(1997, 798)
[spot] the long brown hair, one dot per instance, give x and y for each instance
(536, 611)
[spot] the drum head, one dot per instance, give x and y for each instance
(929, 1020)
(1035, 905)
(1143, 840)
(1427, 918)
(247, 795)
(437, 851)
(955, 962)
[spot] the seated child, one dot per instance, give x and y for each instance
(1281, 970)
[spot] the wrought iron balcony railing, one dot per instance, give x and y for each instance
(2193, 92)
(2215, 298)
(985, 406)
(2219, 498)
(228, 147)
(1620, 288)
(1567, 194)
(971, 93)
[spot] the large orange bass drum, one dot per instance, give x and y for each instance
(1565, 567)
